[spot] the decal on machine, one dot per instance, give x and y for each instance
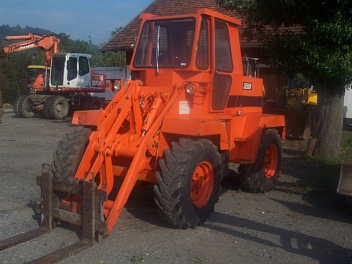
(98, 81)
(184, 108)
(27, 46)
(247, 86)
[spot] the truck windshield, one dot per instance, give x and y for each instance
(165, 44)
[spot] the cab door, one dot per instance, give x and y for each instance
(78, 72)
(222, 78)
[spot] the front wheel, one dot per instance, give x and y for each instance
(58, 107)
(69, 153)
(263, 174)
(188, 182)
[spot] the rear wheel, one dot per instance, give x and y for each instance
(46, 107)
(69, 153)
(92, 103)
(188, 182)
(16, 104)
(24, 107)
(58, 107)
(263, 174)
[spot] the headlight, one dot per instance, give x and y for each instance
(117, 86)
(190, 88)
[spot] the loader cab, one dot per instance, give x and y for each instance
(202, 51)
(70, 71)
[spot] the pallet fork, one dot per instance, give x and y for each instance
(53, 211)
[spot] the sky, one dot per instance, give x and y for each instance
(77, 18)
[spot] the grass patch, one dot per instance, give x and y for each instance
(7, 106)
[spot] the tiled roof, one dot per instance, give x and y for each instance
(125, 38)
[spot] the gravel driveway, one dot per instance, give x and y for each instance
(302, 220)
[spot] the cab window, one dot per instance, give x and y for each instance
(71, 68)
(83, 66)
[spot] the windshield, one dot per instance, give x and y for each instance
(166, 43)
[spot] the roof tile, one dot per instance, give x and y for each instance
(125, 38)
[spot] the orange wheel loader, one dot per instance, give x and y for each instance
(187, 112)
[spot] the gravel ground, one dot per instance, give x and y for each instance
(302, 220)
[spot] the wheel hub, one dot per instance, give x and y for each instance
(270, 161)
(202, 184)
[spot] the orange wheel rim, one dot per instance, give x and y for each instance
(270, 161)
(202, 184)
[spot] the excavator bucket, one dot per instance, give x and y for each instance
(345, 183)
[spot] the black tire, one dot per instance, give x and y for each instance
(181, 195)
(263, 174)
(93, 103)
(69, 153)
(24, 107)
(16, 104)
(84, 103)
(58, 107)
(46, 107)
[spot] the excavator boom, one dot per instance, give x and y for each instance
(47, 43)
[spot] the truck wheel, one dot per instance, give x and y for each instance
(58, 107)
(92, 103)
(188, 182)
(16, 104)
(97, 103)
(24, 107)
(263, 174)
(69, 153)
(46, 107)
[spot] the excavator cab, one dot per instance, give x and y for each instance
(70, 70)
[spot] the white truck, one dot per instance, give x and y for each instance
(114, 77)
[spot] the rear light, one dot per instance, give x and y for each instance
(190, 88)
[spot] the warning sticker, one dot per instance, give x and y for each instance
(247, 86)
(184, 108)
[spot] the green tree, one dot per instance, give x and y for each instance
(312, 38)
(110, 58)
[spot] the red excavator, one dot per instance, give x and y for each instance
(37, 74)
(63, 84)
